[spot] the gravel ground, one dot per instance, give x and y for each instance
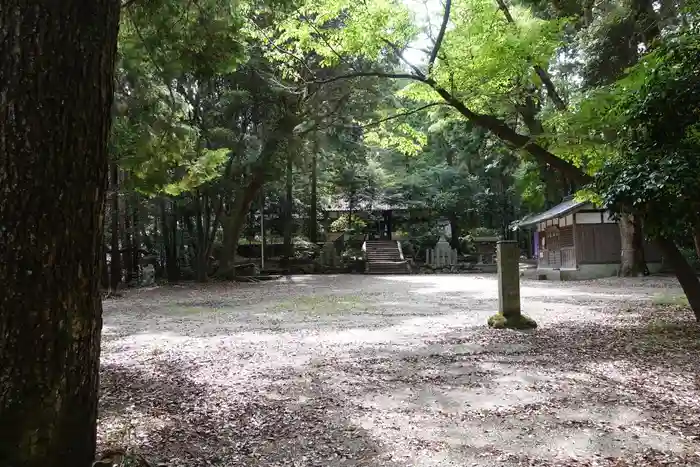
(401, 371)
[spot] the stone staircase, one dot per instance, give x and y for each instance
(384, 257)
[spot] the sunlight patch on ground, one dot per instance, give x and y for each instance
(322, 304)
(668, 299)
(487, 287)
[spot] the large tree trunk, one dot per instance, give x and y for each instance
(56, 83)
(632, 263)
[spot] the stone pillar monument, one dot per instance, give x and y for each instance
(508, 258)
(509, 316)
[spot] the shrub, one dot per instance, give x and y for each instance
(341, 224)
(304, 249)
(484, 232)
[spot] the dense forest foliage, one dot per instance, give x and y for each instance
(244, 123)
(476, 112)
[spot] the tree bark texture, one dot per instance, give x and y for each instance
(56, 90)
(632, 262)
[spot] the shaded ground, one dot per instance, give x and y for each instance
(401, 371)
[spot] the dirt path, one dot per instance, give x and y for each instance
(400, 371)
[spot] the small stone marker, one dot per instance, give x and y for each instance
(508, 258)
(509, 316)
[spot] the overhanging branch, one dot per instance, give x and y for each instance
(488, 122)
(440, 37)
(402, 114)
(399, 54)
(369, 74)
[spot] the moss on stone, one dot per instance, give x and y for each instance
(499, 321)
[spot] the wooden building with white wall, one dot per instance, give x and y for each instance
(574, 240)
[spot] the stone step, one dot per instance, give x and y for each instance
(388, 267)
(383, 257)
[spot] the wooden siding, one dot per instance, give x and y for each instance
(568, 257)
(558, 251)
(571, 245)
(566, 236)
(549, 259)
(598, 243)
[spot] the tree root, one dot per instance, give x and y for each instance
(499, 321)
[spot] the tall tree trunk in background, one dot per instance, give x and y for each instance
(454, 229)
(234, 222)
(263, 239)
(696, 238)
(632, 263)
(202, 259)
(313, 208)
(245, 195)
(452, 216)
(56, 83)
(289, 208)
(127, 245)
(115, 267)
(169, 229)
(136, 239)
(104, 270)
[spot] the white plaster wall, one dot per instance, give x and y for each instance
(588, 218)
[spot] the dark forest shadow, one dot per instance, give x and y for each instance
(181, 422)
